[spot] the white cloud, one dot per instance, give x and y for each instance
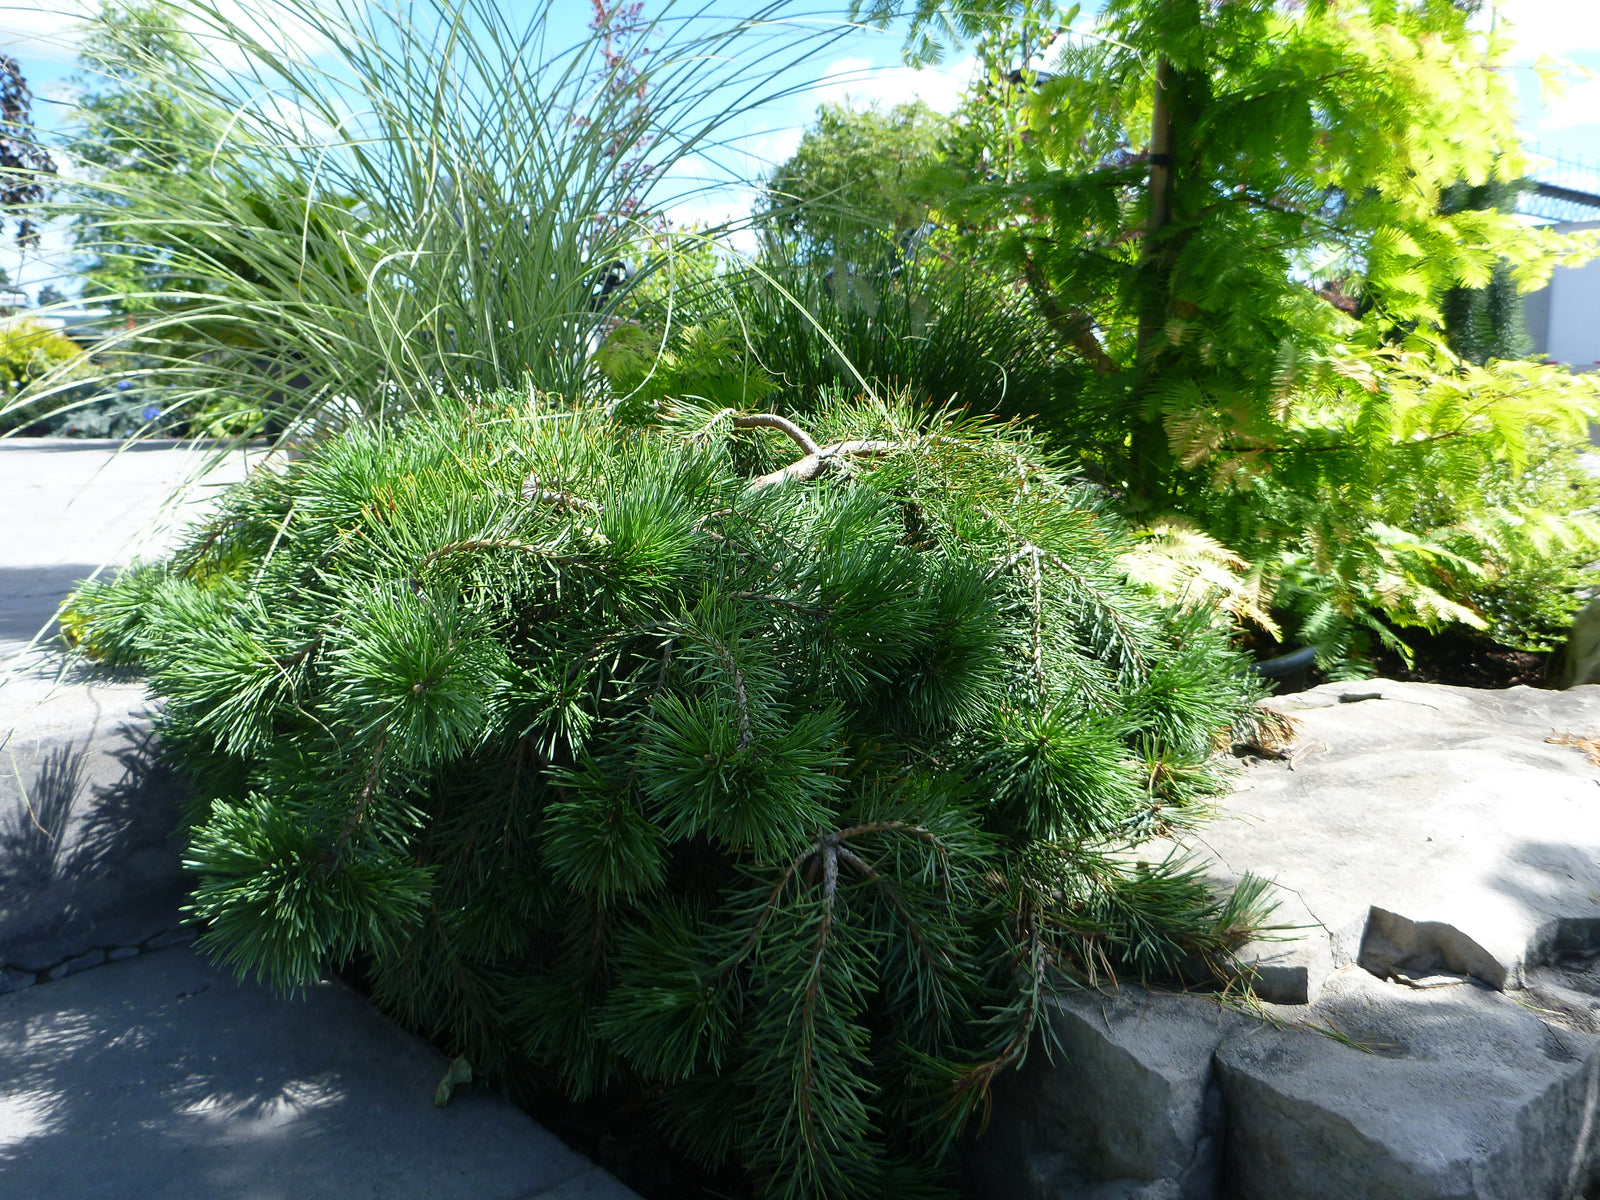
(860, 81)
(1580, 106)
(274, 26)
(51, 29)
(1555, 27)
(41, 29)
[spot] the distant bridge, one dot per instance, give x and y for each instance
(1562, 189)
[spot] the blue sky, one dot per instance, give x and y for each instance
(865, 66)
(862, 65)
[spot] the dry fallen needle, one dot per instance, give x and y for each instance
(1589, 745)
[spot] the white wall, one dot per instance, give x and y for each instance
(1564, 318)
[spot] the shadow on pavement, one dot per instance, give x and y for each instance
(89, 846)
(29, 596)
(160, 1076)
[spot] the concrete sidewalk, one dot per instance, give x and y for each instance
(69, 507)
(130, 1068)
(161, 1077)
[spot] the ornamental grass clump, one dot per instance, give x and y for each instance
(770, 775)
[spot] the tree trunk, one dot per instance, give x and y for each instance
(1149, 451)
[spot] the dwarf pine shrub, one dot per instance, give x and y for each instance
(773, 775)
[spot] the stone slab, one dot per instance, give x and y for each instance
(1438, 819)
(1439, 859)
(87, 854)
(161, 1077)
(1452, 1093)
(1132, 1099)
(1123, 1104)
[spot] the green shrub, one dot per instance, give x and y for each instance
(29, 353)
(923, 326)
(775, 788)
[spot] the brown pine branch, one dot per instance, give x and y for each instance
(533, 492)
(772, 421)
(812, 465)
(364, 803)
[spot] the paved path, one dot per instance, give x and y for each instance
(69, 508)
(161, 1077)
(130, 1068)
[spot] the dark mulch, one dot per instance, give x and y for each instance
(1465, 659)
(1461, 658)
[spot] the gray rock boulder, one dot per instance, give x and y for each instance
(1425, 828)
(1436, 853)
(1450, 1092)
(1123, 1098)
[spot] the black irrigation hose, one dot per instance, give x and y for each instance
(1285, 664)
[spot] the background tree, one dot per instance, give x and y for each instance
(24, 163)
(135, 125)
(1249, 227)
(860, 184)
(1185, 215)
(1487, 322)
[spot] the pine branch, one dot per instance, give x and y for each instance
(1103, 604)
(980, 1079)
(368, 793)
(739, 695)
(817, 459)
(934, 961)
(810, 610)
(805, 1084)
(1038, 624)
(299, 655)
(533, 492)
(812, 465)
(473, 545)
(772, 421)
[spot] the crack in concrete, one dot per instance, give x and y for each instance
(15, 978)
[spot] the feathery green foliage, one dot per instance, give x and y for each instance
(773, 773)
(1276, 243)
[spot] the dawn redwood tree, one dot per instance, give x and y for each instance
(1272, 238)
(1208, 192)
